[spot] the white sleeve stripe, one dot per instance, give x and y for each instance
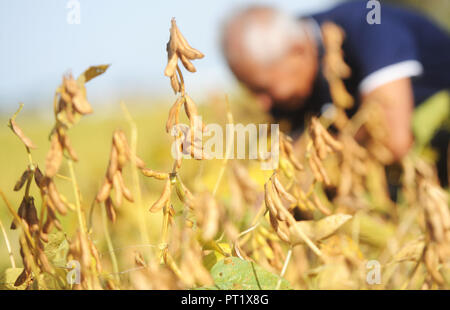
(408, 68)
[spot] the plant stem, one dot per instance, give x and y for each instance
(8, 245)
(136, 184)
(110, 246)
(283, 271)
(76, 192)
(229, 149)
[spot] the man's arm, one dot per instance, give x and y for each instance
(397, 102)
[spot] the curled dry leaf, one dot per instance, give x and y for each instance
(18, 131)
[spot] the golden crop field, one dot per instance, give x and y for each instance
(97, 201)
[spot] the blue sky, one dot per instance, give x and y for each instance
(37, 45)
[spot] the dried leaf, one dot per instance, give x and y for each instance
(18, 131)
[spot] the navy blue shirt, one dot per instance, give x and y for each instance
(404, 44)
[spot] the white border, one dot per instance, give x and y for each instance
(408, 68)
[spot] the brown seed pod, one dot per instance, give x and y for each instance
(56, 199)
(278, 230)
(171, 67)
(155, 174)
(125, 191)
(104, 191)
(22, 278)
(277, 202)
(187, 64)
(190, 107)
(110, 211)
(40, 180)
(163, 199)
(69, 148)
(184, 194)
(54, 156)
(282, 191)
(117, 188)
(268, 200)
(173, 114)
(80, 103)
(25, 175)
(320, 206)
(113, 164)
(22, 212)
(184, 46)
(175, 83)
(31, 216)
(139, 162)
(286, 144)
(95, 255)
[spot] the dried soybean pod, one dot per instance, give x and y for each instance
(320, 206)
(125, 191)
(321, 169)
(104, 191)
(290, 152)
(171, 64)
(184, 194)
(268, 200)
(173, 114)
(187, 64)
(190, 107)
(96, 256)
(155, 174)
(54, 156)
(121, 149)
(117, 188)
(22, 180)
(22, 278)
(113, 164)
(276, 202)
(163, 199)
(69, 148)
(276, 227)
(80, 103)
(139, 162)
(56, 199)
(184, 46)
(282, 191)
(31, 215)
(315, 170)
(175, 83)
(21, 212)
(336, 145)
(40, 179)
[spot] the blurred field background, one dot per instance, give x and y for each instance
(148, 98)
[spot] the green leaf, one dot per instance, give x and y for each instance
(56, 249)
(233, 273)
(92, 72)
(429, 117)
(8, 277)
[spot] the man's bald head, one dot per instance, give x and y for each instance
(272, 54)
(261, 33)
